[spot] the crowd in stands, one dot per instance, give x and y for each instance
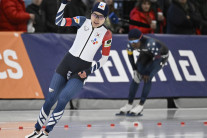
(150, 16)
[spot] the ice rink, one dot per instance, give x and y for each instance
(155, 123)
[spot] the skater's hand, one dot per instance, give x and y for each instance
(82, 74)
(145, 78)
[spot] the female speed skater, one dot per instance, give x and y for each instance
(69, 76)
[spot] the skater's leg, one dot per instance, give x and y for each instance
(145, 92)
(72, 87)
(132, 91)
(135, 83)
(139, 107)
(56, 85)
(153, 68)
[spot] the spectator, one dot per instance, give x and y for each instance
(49, 7)
(164, 6)
(112, 20)
(143, 12)
(39, 22)
(159, 14)
(182, 18)
(13, 16)
(201, 5)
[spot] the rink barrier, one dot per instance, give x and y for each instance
(37, 56)
(17, 76)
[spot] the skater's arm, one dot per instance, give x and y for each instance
(75, 21)
(136, 75)
(131, 57)
(106, 46)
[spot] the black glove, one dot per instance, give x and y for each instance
(88, 71)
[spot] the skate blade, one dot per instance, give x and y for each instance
(133, 114)
(121, 114)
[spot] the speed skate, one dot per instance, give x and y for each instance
(128, 114)
(121, 113)
(133, 114)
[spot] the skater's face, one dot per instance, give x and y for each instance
(135, 43)
(97, 19)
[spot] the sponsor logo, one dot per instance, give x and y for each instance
(102, 5)
(68, 75)
(189, 68)
(77, 19)
(94, 41)
(86, 28)
(107, 43)
(17, 76)
(14, 69)
(51, 90)
(97, 35)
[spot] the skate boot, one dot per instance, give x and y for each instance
(136, 111)
(33, 134)
(125, 109)
(42, 135)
